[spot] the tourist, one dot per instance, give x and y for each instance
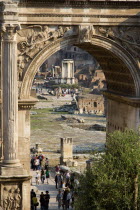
(35, 202)
(59, 199)
(68, 198)
(32, 163)
(42, 175)
(68, 184)
(47, 199)
(40, 157)
(72, 199)
(37, 163)
(47, 164)
(33, 194)
(63, 185)
(42, 201)
(65, 199)
(60, 180)
(43, 163)
(57, 168)
(37, 178)
(56, 180)
(47, 175)
(67, 176)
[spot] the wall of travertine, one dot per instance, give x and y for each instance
(121, 116)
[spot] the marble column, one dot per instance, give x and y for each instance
(10, 96)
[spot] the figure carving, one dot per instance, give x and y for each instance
(106, 31)
(58, 33)
(11, 198)
(20, 65)
(33, 39)
(5, 196)
(128, 37)
(85, 34)
(37, 36)
(17, 200)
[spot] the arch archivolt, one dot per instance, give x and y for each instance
(111, 46)
(38, 61)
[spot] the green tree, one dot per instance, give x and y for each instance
(113, 181)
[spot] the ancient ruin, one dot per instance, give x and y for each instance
(66, 76)
(66, 150)
(33, 30)
(91, 104)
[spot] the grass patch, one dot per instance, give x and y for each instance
(42, 111)
(41, 120)
(61, 113)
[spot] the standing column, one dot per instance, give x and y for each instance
(10, 97)
(53, 71)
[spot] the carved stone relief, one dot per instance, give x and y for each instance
(85, 33)
(11, 197)
(8, 31)
(126, 36)
(32, 39)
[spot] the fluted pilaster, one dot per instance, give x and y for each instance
(10, 95)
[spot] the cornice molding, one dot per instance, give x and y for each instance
(131, 101)
(79, 4)
(26, 104)
(77, 15)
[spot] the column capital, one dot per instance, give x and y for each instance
(26, 104)
(8, 31)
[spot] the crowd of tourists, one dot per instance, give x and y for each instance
(38, 162)
(65, 183)
(44, 200)
(65, 91)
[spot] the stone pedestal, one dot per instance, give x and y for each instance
(15, 192)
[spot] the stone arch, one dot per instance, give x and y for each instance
(123, 72)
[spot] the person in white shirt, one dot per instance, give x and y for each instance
(37, 177)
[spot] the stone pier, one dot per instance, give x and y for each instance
(14, 178)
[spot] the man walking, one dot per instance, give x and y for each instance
(42, 201)
(47, 199)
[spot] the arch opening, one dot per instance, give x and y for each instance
(119, 69)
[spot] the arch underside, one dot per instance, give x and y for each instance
(120, 71)
(118, 77)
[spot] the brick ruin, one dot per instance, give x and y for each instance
(90, 103)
